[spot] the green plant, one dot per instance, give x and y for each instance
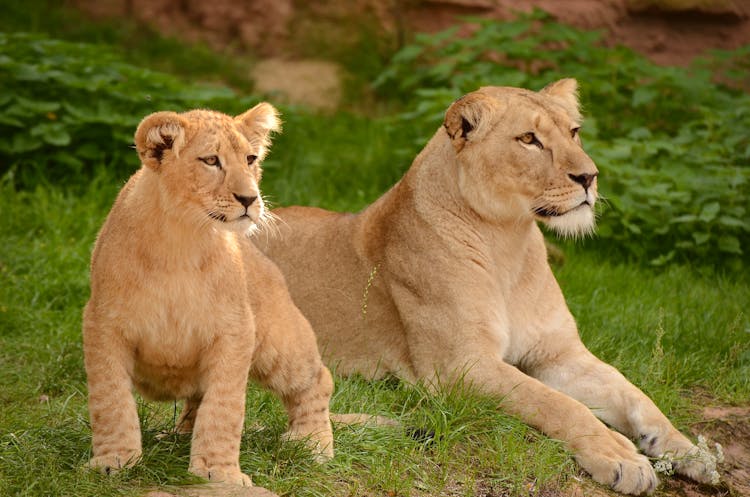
(671, 143)
(68, 108)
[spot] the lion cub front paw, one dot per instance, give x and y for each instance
(111, 463)
(221, 474)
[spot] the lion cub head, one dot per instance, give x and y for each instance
(208, 163)
(519, 155)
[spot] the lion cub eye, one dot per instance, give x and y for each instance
(251, 159)
(211, 160)
(530, 139)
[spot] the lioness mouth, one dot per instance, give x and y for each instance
(545, 212)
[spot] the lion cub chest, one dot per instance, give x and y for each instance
(173, 311)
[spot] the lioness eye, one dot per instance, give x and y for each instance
(251, 159)
(530, 139)
(211, 160)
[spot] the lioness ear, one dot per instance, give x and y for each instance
(467, 119)
(159, 132)
(258, 123)
(565, 91)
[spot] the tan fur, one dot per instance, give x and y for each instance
(183, 306)
(445, 277)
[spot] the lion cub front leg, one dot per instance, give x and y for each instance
(218, 420)
(114, 417)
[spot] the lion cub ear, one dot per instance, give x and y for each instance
(565, 91)
(257, 124)
(157, 133)
(468, 118)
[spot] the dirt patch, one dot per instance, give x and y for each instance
(670, 32)
(730, 427)
(667, 31)
(315, 83)
(211, 490)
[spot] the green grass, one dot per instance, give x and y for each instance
(672, 332)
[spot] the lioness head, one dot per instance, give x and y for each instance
(208, 162)
(519, 155)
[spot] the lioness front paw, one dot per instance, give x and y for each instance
(111, 463)
(221, 474)
(616, 462)
(697, 462)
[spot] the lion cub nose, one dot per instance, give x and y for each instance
(245, 201)
(584, 180)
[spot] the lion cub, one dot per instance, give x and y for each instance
(183, 306)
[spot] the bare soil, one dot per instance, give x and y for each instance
(670, 32)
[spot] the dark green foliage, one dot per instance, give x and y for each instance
(672, 145)
(67, 109)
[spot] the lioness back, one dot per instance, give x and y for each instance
(312, 284)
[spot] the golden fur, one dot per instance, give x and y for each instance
(183, 306)
(445, 277)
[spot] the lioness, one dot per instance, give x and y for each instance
(446, 276)
(183, 306)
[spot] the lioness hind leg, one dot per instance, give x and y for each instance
(617, 402)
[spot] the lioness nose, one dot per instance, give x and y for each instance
(584, 180)
(245, 201)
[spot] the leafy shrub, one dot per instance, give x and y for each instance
(672, 145)
(69, 108)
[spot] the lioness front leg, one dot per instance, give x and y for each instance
(217, 429)
(617, 402)
(114, 417)
(475, 355)
(609, 457)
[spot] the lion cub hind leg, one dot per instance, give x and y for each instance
(217, 429)
(186, 421)
(309, 418)
(288, 363)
